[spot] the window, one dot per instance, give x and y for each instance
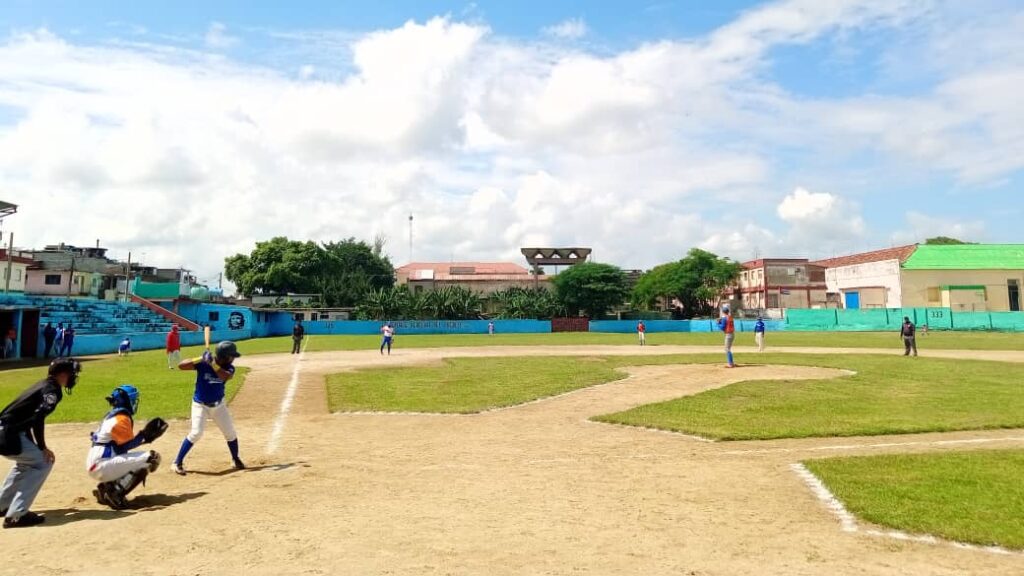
(1013, 288)
(17, 274)
(214, 316)
(52, 280)
(773, 300)
(312, 316)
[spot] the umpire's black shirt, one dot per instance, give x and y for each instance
(29, 411)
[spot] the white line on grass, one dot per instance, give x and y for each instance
(849, 523)
(879, 445)
(286, 402)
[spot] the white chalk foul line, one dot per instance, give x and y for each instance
(840, 447)
(849, 523)
(286, 402)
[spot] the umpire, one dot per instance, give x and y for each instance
(22, 439)
(298, 332)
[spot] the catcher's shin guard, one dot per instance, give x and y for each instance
(116, 492)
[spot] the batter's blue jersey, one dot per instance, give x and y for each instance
(209, 385)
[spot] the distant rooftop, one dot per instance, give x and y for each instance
(469, 271)
(967, 257)
(901, 253)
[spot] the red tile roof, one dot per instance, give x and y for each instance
(18, 259)
(900, 253)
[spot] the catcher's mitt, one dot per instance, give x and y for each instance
(154, 429)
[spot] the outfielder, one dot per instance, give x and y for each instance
(389, 335)
(641, 330)
(110, 461)
(208, 401)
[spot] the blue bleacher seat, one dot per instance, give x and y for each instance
(91, 316)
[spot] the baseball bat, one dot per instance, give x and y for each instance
(206, 336)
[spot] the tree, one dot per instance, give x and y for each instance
(697, 282)
(343, 272)
(279, 265)
(944, 241)
(399, 303)
(527, 303)
(591, 288)
(353, 269)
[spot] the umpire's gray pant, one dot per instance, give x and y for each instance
(25, 480)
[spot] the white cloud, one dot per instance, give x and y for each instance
(492, 143)
(921, 226)
(571, 29)
(821, 221)
(217, 37)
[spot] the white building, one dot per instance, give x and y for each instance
(867, 280)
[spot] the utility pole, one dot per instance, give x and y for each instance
(220, 281)
(410, 238)
(71, 277)
(127, 274)
(10, 258)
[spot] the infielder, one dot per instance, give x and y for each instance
(208, 401)
(110, 460)
(726, 324)
(389, 336)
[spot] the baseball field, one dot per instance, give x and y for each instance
(561, 454)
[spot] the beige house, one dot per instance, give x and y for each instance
(484, 278)
(965, 278)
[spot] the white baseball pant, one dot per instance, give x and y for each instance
(173, 359)
(110, 469)
(219, 414)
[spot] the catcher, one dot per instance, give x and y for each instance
(110, 461)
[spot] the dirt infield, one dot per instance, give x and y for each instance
(532, 489)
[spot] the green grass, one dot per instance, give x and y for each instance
(935, 340)
(888, 395)
(972, 497)
(165, 393)
(464, 385)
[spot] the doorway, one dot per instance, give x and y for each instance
(852, 300)
(29, 333)
(1013, 288)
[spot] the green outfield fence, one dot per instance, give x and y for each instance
(882, 319)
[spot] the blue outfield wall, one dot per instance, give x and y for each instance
(88, 345)
(363, 327)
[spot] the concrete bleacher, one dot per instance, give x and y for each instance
(91, 316)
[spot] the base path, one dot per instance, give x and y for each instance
(532, 489)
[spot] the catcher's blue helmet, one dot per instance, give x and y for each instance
(125, 396)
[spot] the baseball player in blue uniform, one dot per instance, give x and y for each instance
(212, 371)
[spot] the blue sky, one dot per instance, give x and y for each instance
(789, 128)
